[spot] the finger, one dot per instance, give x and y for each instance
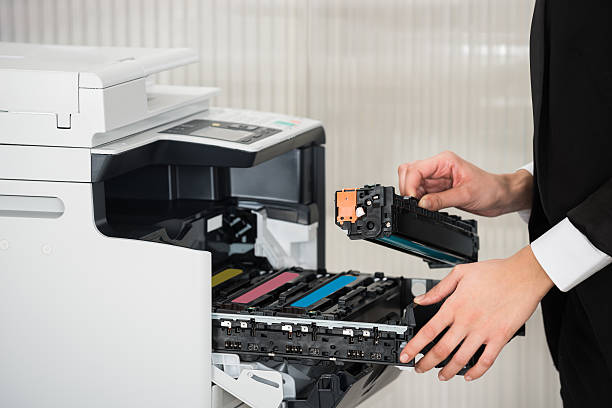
(454, 197)
(414, 173)
(437, 185)
(467, 350)
(416, 187)
(426, 335)
(443, 289)
(443, 348)
(412, 181)
(485, 361)
(401, 172)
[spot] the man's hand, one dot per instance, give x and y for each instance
(489, 301)
(446, 180)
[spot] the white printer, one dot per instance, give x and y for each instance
(158, 252)
(92, 314)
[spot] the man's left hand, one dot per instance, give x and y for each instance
(489, 301)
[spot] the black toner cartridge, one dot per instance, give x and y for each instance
(377, 214)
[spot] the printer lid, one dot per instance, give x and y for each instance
(90, 67)
(67, 81)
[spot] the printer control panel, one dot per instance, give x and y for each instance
(228, 131)
(236, 129)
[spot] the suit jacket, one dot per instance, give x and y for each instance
(571, 76)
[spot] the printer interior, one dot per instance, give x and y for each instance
(219, 209)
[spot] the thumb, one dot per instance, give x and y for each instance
(453, 197)
(442, 290)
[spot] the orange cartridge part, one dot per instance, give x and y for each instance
(346, 205)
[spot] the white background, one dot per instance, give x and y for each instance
(393, 81)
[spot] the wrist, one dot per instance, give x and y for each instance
(535, 276)
(516, 192)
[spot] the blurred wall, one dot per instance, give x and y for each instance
(393, 81)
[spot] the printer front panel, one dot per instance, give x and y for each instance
(93, 321)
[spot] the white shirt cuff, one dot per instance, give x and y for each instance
(525, 214)
(528, 167)
(567, 256)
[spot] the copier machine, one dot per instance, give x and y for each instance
(107, 245)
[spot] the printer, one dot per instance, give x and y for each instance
(132, 215)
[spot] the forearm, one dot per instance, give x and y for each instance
(515, 192)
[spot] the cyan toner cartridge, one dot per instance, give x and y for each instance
(375, 213)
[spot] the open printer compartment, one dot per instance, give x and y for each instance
(261, 216)
(203, 206)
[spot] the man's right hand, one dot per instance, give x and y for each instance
(446, 180)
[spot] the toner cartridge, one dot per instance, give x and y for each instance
(316, 316)
(375, 213)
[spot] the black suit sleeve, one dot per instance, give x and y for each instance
(593, 217)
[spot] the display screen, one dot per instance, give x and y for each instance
(220, 133)
(228, 131)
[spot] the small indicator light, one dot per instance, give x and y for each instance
(284, 123)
